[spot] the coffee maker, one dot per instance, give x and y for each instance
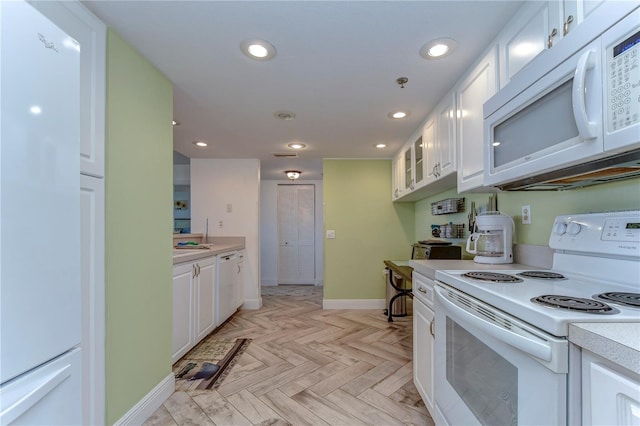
(492, 241)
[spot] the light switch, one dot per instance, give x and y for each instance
(229, 208)
(331, 233)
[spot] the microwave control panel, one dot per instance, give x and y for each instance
(623, 81)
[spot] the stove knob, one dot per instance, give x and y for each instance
(559, 228)
(573, 228)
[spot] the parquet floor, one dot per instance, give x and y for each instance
(307, 366)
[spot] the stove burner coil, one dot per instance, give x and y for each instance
(545, 275)
(574, 304)
(492, 276)
(625, 299)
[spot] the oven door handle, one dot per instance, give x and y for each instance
(530, 346)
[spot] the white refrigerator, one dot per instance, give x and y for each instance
(40, 323)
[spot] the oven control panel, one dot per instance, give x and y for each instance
(611, 233)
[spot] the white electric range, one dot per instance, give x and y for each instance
(500, 334)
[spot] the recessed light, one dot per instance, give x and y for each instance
(381, 145)
(175, 122)
(398, 114)
(438, 48)
(35, 110)
(257, 49)
(200, 143)
(297, 145)
(496, 143)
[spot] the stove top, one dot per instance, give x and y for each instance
(515, 298)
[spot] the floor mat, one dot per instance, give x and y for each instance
(206, 365)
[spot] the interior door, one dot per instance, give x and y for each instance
(296, 225)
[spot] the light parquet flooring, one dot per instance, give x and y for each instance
(308, 366)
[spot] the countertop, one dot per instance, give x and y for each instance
(617, 342)
(187, 255)
(428, 267)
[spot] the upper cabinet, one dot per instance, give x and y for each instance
(538, 26)
(478, 86)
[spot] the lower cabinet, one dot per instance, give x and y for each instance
(238, 286)
(193, 304)
(423, 348)
(610, 393)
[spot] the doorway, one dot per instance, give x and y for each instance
(296, 234)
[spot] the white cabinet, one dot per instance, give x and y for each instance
(181, 174)
(397, 176)
(227, 265)
(538, 26)
(423, 348)
(439, 140)
(478, 86)
(610, 393)
(238, 287)
(204, 292)
(193, 304)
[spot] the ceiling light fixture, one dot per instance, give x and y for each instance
(402, 81)
(438, 48)
(381, 145)
(257, 49)
(200, 143)
(176, 122)
(284, 115)
(297, 145)
(293, 174)
(398, 114)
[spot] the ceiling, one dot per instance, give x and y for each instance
(336, 68)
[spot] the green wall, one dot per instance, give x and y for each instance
(138, 256)
(369, 228)
(545, 206)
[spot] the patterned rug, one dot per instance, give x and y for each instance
(206, 365)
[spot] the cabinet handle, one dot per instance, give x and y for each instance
(422, 290)
(238, 268)
(432, 328)
(565, 27)
(193, 272)
(554, 33)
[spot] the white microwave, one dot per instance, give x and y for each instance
(573, 118)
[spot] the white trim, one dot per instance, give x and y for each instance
(140, 412)
(252, 304)
(353, 303)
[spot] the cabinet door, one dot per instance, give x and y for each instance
(408, 167)
(431, 148)
(239, 281)
(525, 36)
(182, 335)
(472, 93)
(224, 288)
(423, 342)
(418, 163)
(398, 175)
(446, 135)
(204, 288)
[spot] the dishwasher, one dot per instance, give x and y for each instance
(226, 270)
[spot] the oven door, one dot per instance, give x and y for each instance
(492, 369)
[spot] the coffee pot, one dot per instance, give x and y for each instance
(492, 241)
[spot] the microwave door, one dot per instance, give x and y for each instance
(553, 123)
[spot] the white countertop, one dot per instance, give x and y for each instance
(429, 267)
(186, 255)
(617, 342)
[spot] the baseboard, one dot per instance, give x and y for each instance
(252, 304)
(269, 283)
(140, 412)
(353, 303)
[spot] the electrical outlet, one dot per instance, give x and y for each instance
(526, 215)
(220, 225)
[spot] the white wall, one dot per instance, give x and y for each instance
(216, 184)
(269, 230)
